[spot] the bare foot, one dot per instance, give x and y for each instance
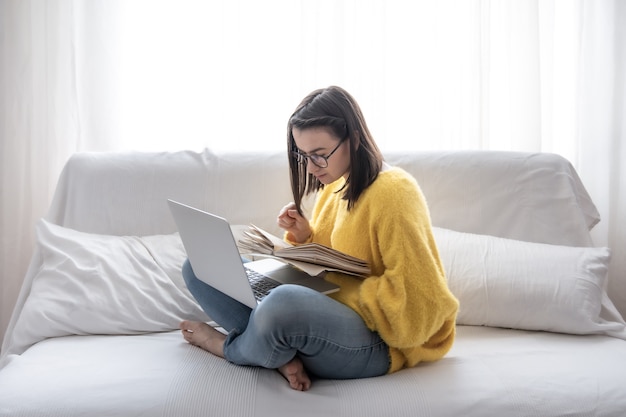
(295, 374)
(204, 336)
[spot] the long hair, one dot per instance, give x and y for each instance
(336, 109)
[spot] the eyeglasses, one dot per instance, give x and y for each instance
(320, 161)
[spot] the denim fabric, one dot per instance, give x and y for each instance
(331, 339)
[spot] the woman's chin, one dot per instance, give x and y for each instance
(324, 179)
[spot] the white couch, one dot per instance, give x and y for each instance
(93, 332)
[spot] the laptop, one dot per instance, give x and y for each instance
(215, 259)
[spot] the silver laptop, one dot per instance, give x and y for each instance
(215, 259)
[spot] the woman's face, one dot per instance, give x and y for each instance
(321, 141)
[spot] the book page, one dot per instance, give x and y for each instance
(310, 257)
(276, 242)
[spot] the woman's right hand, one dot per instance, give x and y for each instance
(297, 226)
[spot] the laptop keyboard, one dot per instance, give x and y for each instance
(261, 285)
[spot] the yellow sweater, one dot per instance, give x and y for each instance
(406, 300)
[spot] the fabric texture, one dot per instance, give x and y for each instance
(406, 299)
(532, 286)
(535, 197)
(100, 284)
(489, 372)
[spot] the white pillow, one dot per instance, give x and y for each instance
(100, 284)
(533, 286)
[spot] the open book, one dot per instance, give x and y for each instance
(313, 258)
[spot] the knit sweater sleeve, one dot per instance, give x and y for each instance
(408, 301)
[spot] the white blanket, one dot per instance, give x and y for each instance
(489, 373)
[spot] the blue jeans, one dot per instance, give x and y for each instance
(330, 338)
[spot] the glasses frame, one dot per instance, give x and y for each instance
(322, 160)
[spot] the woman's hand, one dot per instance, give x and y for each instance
(297, 226)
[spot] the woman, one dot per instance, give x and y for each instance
(399, 316)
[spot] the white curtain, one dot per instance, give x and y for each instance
(103, 75)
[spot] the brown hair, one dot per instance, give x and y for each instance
(336, 109)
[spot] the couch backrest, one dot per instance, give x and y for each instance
(525, 196)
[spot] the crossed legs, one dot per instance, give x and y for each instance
(295, 330)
